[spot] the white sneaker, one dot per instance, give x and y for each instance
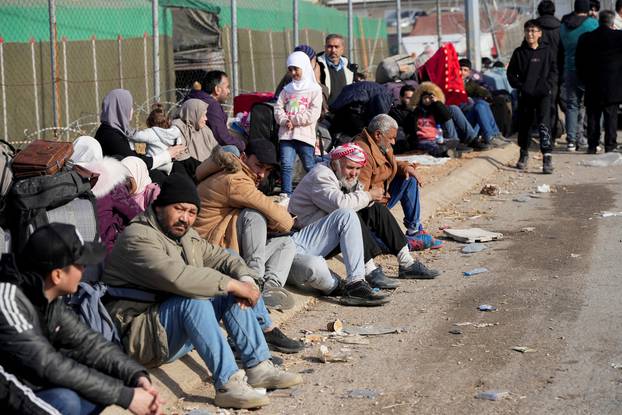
(266, 375)
(571, 147)
(238, 394)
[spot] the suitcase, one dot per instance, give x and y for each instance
(41, 158)
(245, 102)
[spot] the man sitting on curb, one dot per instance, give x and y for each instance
(236, 216)
(44, 343)
(333, 185)
(397, 179)
(192, 285)
(229, 185)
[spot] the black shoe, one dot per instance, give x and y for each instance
(480, 145)
(359, 293)
(377, 279)
(418, 271)
(278, 341)
(463, 148)
(521, 164)
(547, 164)
(591, 150)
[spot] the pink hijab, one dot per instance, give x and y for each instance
(146, 191)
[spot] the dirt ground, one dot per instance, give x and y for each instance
(555, 291)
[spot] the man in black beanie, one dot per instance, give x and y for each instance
(187, 286)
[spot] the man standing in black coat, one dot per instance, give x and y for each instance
(44, 345)
(532, 71)
(550, 36)
(599, 64)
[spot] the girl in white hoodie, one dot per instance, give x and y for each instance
(297, 111)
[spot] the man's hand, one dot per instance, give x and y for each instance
(412, 172)
(246, 293)
(376, 194)
(144, 383)
(144, 403)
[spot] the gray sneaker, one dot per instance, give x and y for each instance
(418, 271)
(266, 375)
(238, 394)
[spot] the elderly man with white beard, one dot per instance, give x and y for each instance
(334, 185)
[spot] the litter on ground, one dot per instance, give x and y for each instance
(475, 271)
(470, 235)
(493, 395)
(473, 248)
(486, 307)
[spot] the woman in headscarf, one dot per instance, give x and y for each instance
(115, 129)
(196, 136)
(297, 112)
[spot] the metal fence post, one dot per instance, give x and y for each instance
(471, 9)
(296, 37)
(52, 21)
(234, 47)
(65, 80)
(5, 127)
(146, 68)
(398, 24)
(120, 55)
(156, 49)
(252, 59)
(34, 82)
(439, 32)
(95, 77)
(350, 32)
(272, 59)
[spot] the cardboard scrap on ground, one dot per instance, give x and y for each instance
(371, 330)
(470, 235)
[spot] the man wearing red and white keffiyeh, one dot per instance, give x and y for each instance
(334, 185)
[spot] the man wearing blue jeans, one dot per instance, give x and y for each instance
(573, 26)
(397, 179)
(45, 347)
(194, 285)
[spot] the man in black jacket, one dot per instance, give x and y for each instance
(599, 64)
(550, 36)
(43, 342)
(532, 71)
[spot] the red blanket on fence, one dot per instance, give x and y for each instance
(444, 70)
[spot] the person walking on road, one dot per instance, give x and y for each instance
(533, 71)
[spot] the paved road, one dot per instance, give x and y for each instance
(557, 289)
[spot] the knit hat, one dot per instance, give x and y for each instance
(264, 150)
(582, 6)
(178, 188)
(351, 151)
(306, 49)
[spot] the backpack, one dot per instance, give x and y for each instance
(64, 197)
(263, 124)
(86, 303)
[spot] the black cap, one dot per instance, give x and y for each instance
(58, 245)
(264, 150)
(582, 6)
(464, 62)
(178, 188)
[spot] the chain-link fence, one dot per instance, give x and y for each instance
(53, 89)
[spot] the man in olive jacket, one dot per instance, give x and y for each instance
(46, 348)
(188, 285)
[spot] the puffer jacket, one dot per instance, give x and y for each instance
(146, 259)
(226, 186)
(47, 345)
(437, 109)
(319, 193)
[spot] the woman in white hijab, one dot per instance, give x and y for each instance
(297, 111)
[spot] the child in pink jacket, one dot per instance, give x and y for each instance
(297, 112)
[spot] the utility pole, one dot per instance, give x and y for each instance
(350, 33)
(474, 53)
(156, 49)
(398, 24)
(234, 47)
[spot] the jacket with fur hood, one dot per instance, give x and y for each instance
(115, 206)
(437, 109)
(226, 186)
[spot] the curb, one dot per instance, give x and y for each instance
(177, 379)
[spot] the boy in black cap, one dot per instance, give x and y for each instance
(533, 72)
(69, 366)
